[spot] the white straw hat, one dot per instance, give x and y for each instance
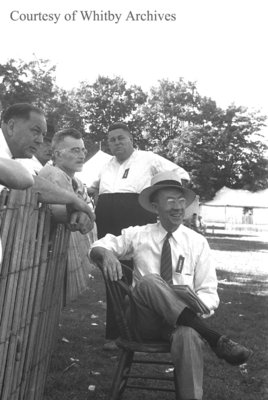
(163, 180)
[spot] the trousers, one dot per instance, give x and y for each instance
(158, 309)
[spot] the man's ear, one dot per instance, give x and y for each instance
(155, 206)
(10, 127)
(56, 153)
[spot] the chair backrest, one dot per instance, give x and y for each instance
(123, 306)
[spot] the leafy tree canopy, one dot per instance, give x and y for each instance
(110, 100)
(218, 147)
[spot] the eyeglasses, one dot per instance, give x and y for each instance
(181, 202)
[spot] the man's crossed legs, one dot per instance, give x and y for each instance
(162, 315)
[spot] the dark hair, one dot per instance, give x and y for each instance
(19, 110)
(118, 125)
(62, 134)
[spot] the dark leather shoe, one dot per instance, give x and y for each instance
(232, 352)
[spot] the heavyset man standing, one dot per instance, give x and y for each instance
(167, 253)
(119, 184)
(122, 179)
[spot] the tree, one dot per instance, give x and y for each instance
(14, 86)
(109, 100)
(228, 153)
(218, 147)
(34, 82)
(170, 107)
(62, 111)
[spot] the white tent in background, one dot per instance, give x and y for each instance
(92, 168)
(239, 197)
(235, 207)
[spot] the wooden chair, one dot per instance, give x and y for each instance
(130, 343)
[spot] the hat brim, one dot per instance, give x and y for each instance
(145, 195)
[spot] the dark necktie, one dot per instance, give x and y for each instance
(166, 260)
(74, 185)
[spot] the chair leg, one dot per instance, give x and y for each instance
(177, 394)
(119, 380)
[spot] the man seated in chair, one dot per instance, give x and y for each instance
(167, 253)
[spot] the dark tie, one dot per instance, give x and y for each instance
(75, 185)
(166, 260)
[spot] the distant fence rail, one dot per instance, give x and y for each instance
(32, 271)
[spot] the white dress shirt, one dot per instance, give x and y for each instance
(134, 174)
(31, 164)
(4, 149)
(190, 251)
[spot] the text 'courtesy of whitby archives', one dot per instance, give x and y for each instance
(93, 16)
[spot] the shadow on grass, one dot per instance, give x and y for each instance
(256, 285)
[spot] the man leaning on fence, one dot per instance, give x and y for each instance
(167, 253)
(69, 156)
(22, 129)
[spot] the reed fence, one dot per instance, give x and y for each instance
(79, 267)
(34, 254)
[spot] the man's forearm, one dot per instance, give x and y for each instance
(52, 194)
(14, 175)
(97, 255)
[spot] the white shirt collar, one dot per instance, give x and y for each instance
(4, 148)
(162, 232)
(114, 159)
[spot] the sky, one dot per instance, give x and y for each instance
(220, 44)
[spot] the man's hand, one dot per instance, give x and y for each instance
(81, 206)
(111, 266)
(106, 260)
(80, 221)
(51, 193)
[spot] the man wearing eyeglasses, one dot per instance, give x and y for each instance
(68, 157)
(167, 254)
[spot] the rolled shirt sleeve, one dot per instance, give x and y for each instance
(121, 246)
(205, 279)
(160, 164)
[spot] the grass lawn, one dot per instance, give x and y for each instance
(81, 370)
